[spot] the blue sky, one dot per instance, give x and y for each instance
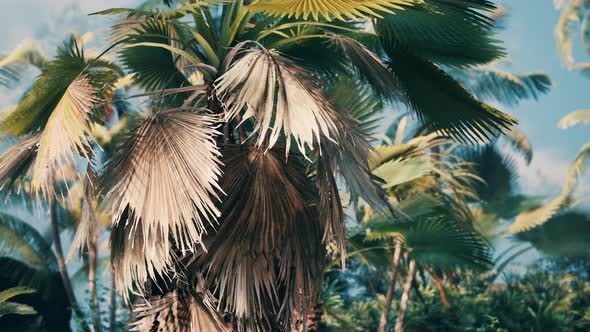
(529, 38)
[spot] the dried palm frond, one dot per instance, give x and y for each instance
(165, 177)
(65, 134)
(281, 96)
(331, 212)
(575, 118)
(179, 311)
(266, 259)
(135, 261)
(17, 159)
(87, 230)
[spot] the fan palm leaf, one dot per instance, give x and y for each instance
(164, 178)
(265, 261)
(454, 32)
(449, 108)
(301, 109)
(65, 134)
(329, 9)
(20, 240)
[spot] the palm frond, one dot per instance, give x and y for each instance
(454, 32)
(535, 217)
(570, 18)
(577, 169)
(65, 135)
(164, 177)
(12, 64)
(370, 68)
(153, 68)
(7, 308)
(87, 230)
(498, 172)
(16, 160)
(136, 262)
(21, 241)
(265, 261)
(329, 9)
(171, 14)
(357, 99)
(520, 143)
(179, 311)
(438, 242)
(396, 172)
(449, 108)
(301, 109)
(503, 87)
(574, 119)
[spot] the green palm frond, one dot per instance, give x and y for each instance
(14, 308)
(266, 259)
(19, 240)
(449, 108)
(12, 64)
(171, 14)
(359, 101)
(370, 68)
(498, 172)
(329, 9)
(164, 177)
(438, 242)
(574, 119)
(454, 32)
(503, 87)
(153, 68)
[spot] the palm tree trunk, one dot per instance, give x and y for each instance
(92, 286)
(113, 308)
(399, 324)
(391, 288)
(62, 265)
(441, 290)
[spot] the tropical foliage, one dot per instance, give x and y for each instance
(251, 184)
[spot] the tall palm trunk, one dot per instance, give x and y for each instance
(399, 324)
(391, 288)
(62, 265)
(92, 256)
(113, 308)
(92, 285)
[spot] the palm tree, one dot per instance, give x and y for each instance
(223, 196)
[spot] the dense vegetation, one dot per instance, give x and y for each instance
(227, 166)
